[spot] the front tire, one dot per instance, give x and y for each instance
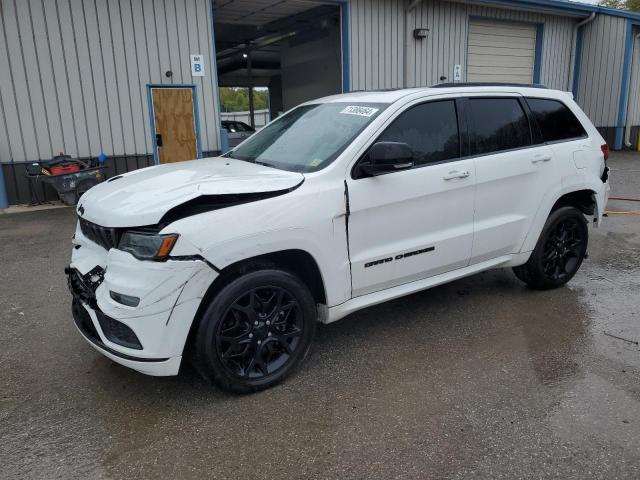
(256, 331)
(559, 252)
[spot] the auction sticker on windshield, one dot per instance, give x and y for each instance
(358, 110)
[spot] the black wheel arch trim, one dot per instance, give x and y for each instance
(232, 271)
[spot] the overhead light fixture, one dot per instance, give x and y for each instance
(244, 55)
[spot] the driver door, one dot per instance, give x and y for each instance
(412, 224)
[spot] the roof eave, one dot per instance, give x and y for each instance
(561, 7)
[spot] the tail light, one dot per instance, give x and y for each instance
(605, 151)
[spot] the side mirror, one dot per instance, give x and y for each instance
(385, 157)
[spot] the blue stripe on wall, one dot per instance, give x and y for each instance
(537, 66)
(624, 89)
(346, 77)
(577, 62)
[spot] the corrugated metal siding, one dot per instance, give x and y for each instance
(374, 49)
(74, 73)
(601, 69)
(447, 43)
(376, 31)
(634, 89)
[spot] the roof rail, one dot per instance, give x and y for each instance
(375, 90)
(489, 84)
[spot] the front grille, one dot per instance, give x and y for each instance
(83, 288)
(118, 332)
(106, 237)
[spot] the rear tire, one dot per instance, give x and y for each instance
(256, 331)
(559, 252)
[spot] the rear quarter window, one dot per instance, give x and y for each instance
(556, 121)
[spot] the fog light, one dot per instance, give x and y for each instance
(127, 300)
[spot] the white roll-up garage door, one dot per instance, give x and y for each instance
(500, 52)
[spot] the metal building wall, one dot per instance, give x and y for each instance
(377, 35)
(377, 30)
(447, 42)
(73, 74)
(600, 71)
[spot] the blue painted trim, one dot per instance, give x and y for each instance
(577, 62)
(214, 71)
(153, 124)
(4, 200)
(346, 74)
(194, 91)
(624, 87)
(537, 64)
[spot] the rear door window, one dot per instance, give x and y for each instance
(556, 121)
(497, 124)
(430, 129)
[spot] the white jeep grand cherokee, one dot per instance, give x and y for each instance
(342, 203)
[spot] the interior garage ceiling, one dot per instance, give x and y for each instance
(259, 28)
(258, 12)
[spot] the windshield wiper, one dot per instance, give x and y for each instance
(250, 160)
(266, 164)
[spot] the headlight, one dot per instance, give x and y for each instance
(145, 246)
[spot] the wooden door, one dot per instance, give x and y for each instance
(174, 124)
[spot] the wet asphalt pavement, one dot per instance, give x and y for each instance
(479, 378)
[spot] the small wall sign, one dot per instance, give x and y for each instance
(457, 72)
(197, 65)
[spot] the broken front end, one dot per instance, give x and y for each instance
(132, 303)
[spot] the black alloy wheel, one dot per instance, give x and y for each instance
(563, 249)
(560, 250)
(259, 332)
(255, 331)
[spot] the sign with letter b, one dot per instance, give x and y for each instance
(197, 65)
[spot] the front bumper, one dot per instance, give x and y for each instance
(84, 318)
(151, 336)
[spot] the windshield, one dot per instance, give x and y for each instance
(309, 137)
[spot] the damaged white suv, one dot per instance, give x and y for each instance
(342, 203)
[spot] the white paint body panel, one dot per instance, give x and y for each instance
(491, 218)
(406, 212)
(142, 197)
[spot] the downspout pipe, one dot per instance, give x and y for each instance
(574, 53)
(405, 67)
(4, 201)
(627, 128)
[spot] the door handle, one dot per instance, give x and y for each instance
(158, 140)
(541, 158)
(456, 174)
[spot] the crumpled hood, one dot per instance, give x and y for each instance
(142, 197)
